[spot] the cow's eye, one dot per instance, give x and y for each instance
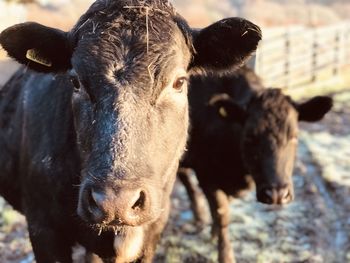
(179, 84)
(76, 83)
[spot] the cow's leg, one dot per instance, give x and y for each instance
(48, 245)
(9, 178)
(196, 197)
(219, 207)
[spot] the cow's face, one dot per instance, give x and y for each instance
(270, 139)
(128, 64)
(131, 113)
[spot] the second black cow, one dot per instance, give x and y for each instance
(242, 132)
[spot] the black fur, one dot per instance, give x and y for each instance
(90, 151)
(52, 44)
(215, 42)
(315, 109)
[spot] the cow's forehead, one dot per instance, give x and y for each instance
(129, 52)
(125, 13)
(272, 117)
(131, 35)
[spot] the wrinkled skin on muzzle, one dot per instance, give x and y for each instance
(272, 171)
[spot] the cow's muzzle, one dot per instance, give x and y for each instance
(114, 206)
(275, 195)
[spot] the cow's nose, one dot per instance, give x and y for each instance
(275, 195)
(111, 206)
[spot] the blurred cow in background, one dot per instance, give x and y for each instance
(242, 133)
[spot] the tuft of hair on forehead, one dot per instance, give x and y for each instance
(103, 9)
(116, 5)
(152, 21)
(139, 14)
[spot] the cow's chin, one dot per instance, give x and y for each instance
(128, 243)
(128, 240)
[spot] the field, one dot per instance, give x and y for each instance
(315, 228)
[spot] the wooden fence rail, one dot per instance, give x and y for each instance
(296, 56)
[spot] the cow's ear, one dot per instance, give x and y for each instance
(227, 109)
(224, 45)
(41, 48)
(314, 109)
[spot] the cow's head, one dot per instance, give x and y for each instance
(270, 138)
(128, 62)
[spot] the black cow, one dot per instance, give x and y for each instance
(242, 131)
(90, 143)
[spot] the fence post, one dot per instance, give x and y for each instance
(258, 60)
(287, 59)
(337, 53)
(347, 44)
(314, 56)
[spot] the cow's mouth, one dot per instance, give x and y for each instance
(116, 229)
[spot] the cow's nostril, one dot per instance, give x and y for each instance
(269, 193)
(284, 193)
(268, 196)
(264, 196)
(140, 202)
(96, 206)
(285, 196)
(97, 199)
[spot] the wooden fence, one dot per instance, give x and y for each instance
(10, 14)
(297, 56)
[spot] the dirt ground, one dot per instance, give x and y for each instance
(8, 67)
(315, 228)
